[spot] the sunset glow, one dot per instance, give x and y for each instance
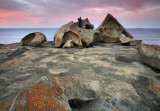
(54, 13)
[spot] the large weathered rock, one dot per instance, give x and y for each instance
(150, 54)
(129, 41)
(80, 36)
(106, 37)
(39, 78)
(111, 30)
(52, 93)
(33, 39)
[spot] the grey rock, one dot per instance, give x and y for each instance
(107, 77)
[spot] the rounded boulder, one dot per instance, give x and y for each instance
(33, 39)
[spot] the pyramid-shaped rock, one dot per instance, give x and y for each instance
(111, 30)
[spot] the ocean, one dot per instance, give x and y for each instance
(13, 35)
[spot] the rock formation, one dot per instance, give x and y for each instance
(110, 30)
(33, 39)
(150, 54)
(129, 41)
(52, 93)
(106, 77)
(86, 24)
(82, 37)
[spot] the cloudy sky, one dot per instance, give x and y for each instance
(54, 13)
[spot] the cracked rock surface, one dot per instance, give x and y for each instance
(106, 77)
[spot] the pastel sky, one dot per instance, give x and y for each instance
(54, 13)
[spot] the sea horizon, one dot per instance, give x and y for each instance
(14, 35)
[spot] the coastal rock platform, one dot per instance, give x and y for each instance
(106, 77)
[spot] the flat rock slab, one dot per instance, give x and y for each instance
(108, 76)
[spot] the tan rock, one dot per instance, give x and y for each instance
(110, 29)
(150, 54)
(129, 41)
(33, 39)
(135, 42)
(78, 35)
(155, 85)
(68, 44)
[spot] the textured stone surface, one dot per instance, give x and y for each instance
(150, 54)
(107, 77)
(129, 41)
(155, 85)
(52, 93)
(33, 39)
(81, 37)
(110, 29)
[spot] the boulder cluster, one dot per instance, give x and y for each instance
(71, 35)
(111, 76)
(109, 31)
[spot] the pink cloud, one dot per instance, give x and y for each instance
(15, 17)
(56, 13)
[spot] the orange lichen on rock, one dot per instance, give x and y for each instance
(150, 49)
(40, 98)
(43, 96)
(154, 85)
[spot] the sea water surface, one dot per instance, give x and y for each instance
(13, 35)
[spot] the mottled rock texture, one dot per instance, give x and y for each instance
(110, 30)
(107, 77)
(33, 39)
(82, 37)
(129, 41)
(150, 54)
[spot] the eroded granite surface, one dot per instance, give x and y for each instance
(107, 77)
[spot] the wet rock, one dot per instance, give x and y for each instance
(82, 37)
(33, 39)
(110, 30)
(129, 41)
(150, 54)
